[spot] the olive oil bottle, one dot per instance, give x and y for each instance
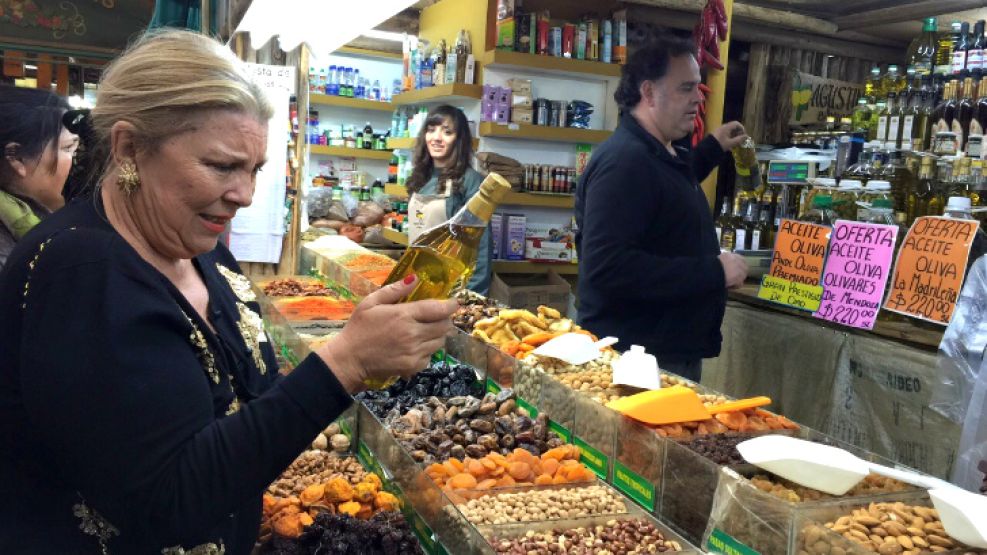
(445, 255)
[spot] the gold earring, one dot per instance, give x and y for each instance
(128, 179)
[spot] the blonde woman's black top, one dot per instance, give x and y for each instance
(126, 424)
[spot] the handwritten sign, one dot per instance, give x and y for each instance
(795, 276)
(931, 265)
(856, 273)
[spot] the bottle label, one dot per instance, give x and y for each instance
(756, 240)
(719, 235)
(741, 239)
(893, 124)
(906, 132)
(959, 61)
(882, 128)
(957, 129)
(974, 145)
(923, 67)
(975, 59)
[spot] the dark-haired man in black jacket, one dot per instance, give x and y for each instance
(650, 269)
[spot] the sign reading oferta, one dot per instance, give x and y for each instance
(814, 98)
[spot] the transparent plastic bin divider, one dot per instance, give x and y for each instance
(596, 426)
(468, 350)
(558, 400)
(510, 531)
(640, 450)
(500, 366)
(425, 497)
(528, 385)
(287, 345)
(688, 484)
(816, 515)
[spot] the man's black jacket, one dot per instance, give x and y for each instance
(648, 267)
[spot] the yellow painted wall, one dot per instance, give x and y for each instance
(445, 18)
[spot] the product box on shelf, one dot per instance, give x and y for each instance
(505, 24)
(524, 37)
(520, 87)
(515, 226)
(549, 231)
(497, 235)
(522, 115)
(543, 250)
(530, 291)
(620, 37)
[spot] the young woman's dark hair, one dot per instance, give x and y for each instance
(31, 118)
(648, 63)
(461, 154)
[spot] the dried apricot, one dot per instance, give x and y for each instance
(550, 466)
(312, 494)
(543, 480)
(462, 481)
(506, 480)
(436, 469)
(732, 420)
(488, 463)
(476, 468)
(558, 453)
(519, 471)
(453, 469)
(560, 479)
(487, 484)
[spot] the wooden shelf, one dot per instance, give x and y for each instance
(535, 199)
(408, 143)
(542, 133)
(525, 267)
(567, 67)
(438, 94)
(346, 102)
(395, 236)
(395, 190)
(344, 152)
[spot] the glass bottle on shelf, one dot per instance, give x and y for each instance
(944, 54)
(822, 211)
(926, 198)
(845, 198)
(860, 119)
(723, 221)
(960, 48)
(876, 189)
(964, 114)
(884, 119)
(897, 173)
(925, 53)
(872, 87)
(978, 190)
(763, 234)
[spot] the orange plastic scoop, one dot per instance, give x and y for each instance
(734, 406)
(669, 405)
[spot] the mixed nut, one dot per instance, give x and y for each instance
(332, 438)
(293, 288)
(466, 426)
(542, 504)
(872, 484)
(885, 528)
(315, 467)
(472, 308)
(617, 537)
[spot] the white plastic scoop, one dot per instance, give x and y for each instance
(574, 348)
(834, 471)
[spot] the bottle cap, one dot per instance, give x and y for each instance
(878, 185)
(882, 203)
(958, 204)
(851, 184)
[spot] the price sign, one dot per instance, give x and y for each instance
(931, 264)
(795, 276)
(856, 273)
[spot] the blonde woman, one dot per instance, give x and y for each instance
(141, 408)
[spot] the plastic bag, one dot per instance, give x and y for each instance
(368, 213)
(961, 351)
(319, 200)
(337, 211)
(973, 438)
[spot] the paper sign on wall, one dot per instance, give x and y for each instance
(856, 273)
(931, 265)
(795, 276)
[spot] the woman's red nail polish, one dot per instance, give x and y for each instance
(409, 279)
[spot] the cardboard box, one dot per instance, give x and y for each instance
(497, 235)
(543, 250)
(505, 24)
(531, 291)
(522, 102)
(522, 115)
(514, 230)
(520, 87)
(549, 231)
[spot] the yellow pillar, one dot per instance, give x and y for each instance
(717, 81)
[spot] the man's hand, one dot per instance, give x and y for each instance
(734, 269)
(730, 135)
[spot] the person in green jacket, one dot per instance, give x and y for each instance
(37, 156)
(443, 179)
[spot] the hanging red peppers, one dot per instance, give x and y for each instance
(711, 29)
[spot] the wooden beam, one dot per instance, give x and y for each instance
(62, 79)
(756, 95)
(365, 43)
(44, 71)
(749, 31)
(908, 12)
